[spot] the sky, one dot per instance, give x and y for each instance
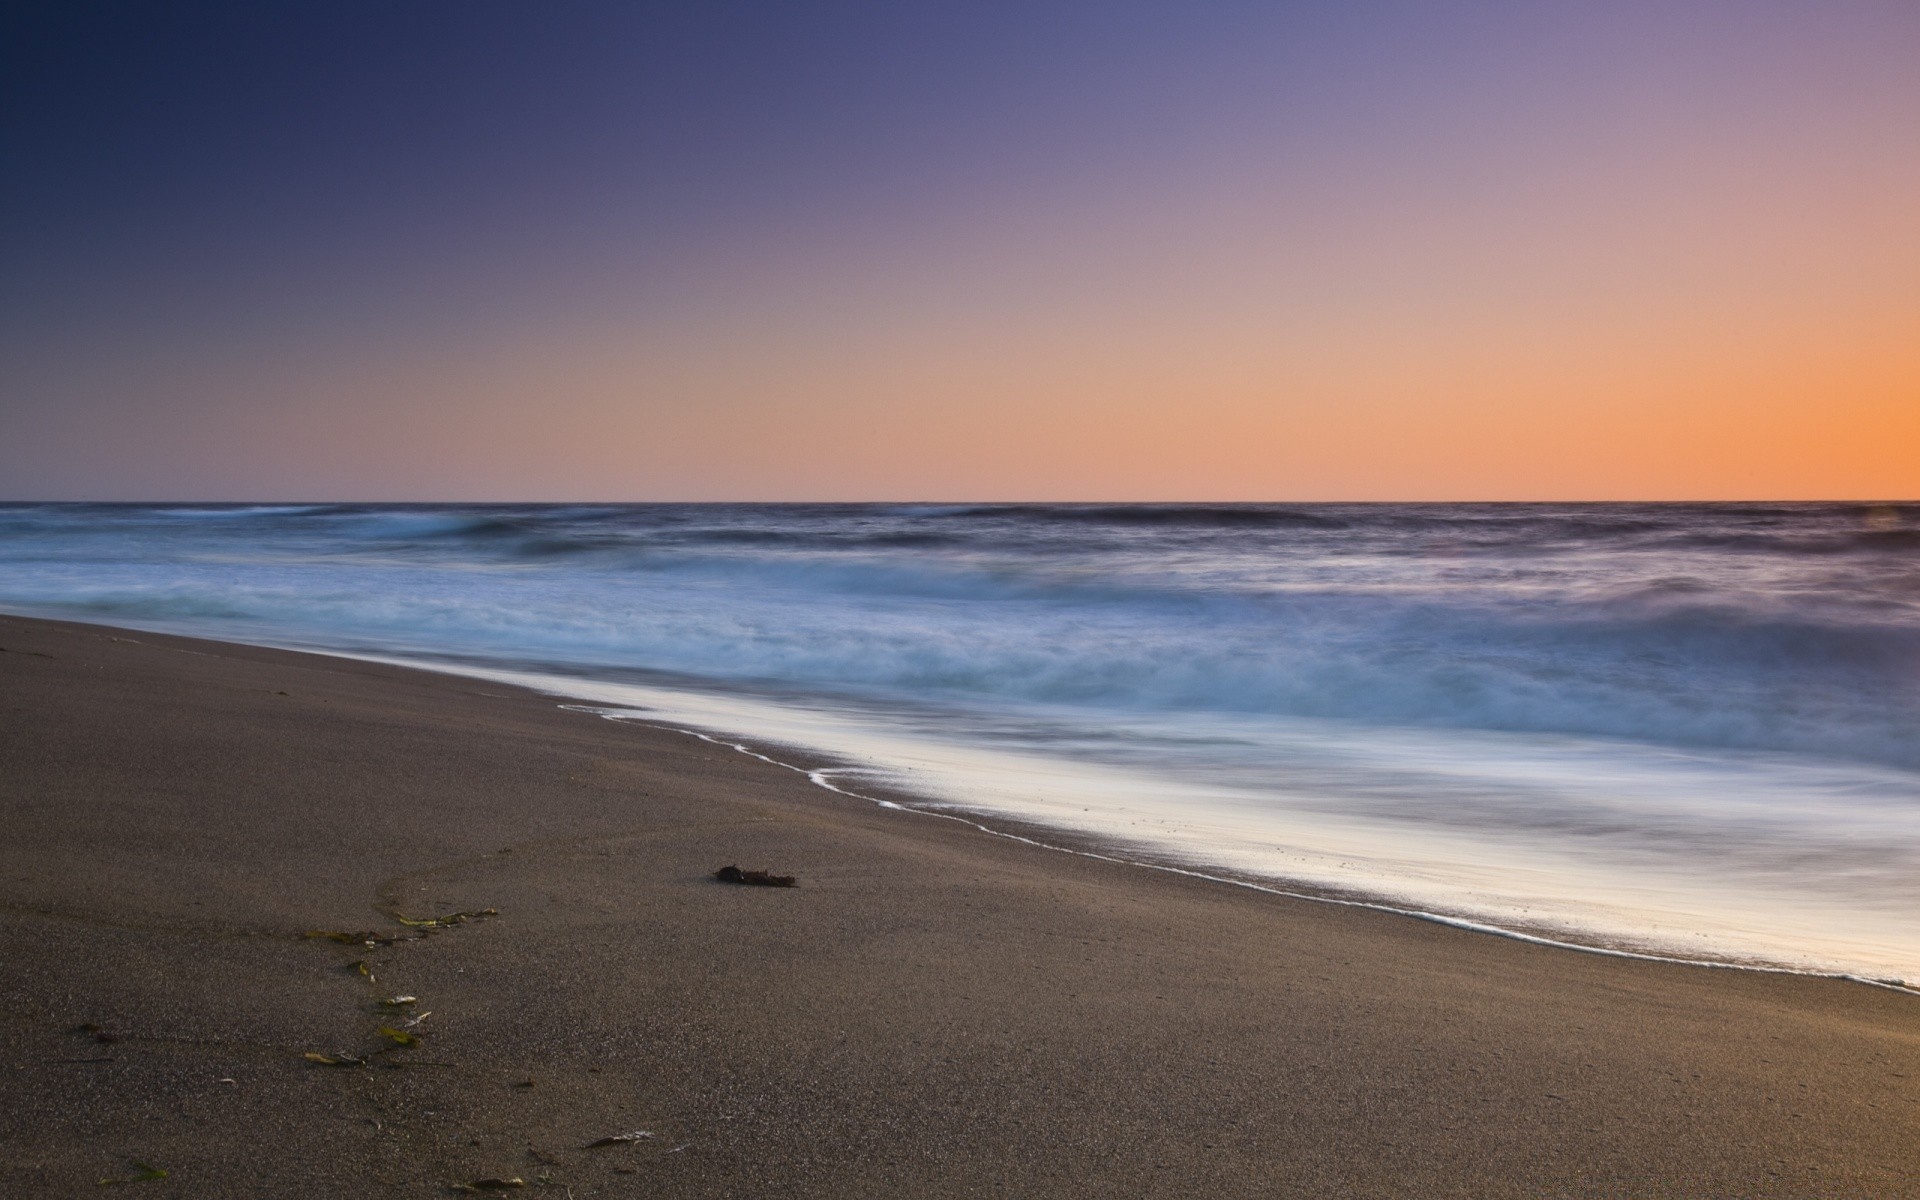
(1046, 250)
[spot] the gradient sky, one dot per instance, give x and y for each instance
(1035, 250)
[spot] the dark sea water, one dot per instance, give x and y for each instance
(1688, 728)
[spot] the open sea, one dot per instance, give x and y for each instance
(1684, 729)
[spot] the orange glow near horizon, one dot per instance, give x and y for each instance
(1628, 415)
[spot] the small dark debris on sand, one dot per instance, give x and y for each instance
(732, 874)
(459, 918)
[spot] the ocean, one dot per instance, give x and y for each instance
(1691, 730)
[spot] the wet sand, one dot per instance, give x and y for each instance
(933, 1011)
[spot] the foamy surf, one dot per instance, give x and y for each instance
(1684, 730)
(1527, 890)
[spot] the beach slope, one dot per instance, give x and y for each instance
(932, 1011)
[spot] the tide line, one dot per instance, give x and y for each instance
(819, 777)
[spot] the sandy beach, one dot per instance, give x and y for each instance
(932, 1011)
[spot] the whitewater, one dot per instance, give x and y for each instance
(1683, 729)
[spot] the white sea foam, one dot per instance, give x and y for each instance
(1548, 884)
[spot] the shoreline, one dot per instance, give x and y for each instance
(1108, 850)
(1498, 920)
(1092, 844)
(1111, 848)
(931, 1012)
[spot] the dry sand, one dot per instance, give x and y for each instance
(933, 1011)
